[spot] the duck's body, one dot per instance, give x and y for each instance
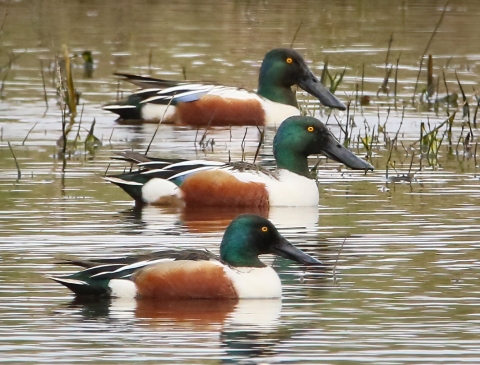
(219, 185)
(199, 279)
(209, 183)
(201, 105)
(198, 104)
(237, 273)
(169, 278)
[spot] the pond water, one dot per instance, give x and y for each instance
(402, 252)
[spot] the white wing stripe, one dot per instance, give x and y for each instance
(192, 171)
(121, 181)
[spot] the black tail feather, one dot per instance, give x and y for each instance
(80, 288)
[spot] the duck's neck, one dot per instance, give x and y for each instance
(236, 254)
(269, 87)
(292, 161)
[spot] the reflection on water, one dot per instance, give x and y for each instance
(248, 328)
(215, 219)
(402, 283)
(404, 261)
(264, 313)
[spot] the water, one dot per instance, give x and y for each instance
(402, 283)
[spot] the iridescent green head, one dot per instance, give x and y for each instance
(249, 236)
(284, 67)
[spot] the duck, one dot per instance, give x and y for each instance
(199, 104)
(237, 273)
(197, 183)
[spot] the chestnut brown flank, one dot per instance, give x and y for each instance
(184, 279)
(219, 188)
(221, 112)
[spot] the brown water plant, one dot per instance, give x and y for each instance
(69, 99)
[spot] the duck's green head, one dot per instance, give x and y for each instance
(298, 137)
(284, 67)
(250, 235)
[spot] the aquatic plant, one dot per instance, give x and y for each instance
(69, 98)
(335, 80)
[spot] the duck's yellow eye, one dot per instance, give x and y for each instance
(289, 60)
(264, 229)
(310, 129)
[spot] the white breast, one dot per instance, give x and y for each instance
(276, 113)
(289, 190)
(255, 282)
(292, 190)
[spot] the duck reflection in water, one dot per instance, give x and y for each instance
(246, 312)
(247, 328)
(174, 220)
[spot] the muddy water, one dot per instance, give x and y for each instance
(403, 258)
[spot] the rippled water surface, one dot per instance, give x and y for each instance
(401, 285)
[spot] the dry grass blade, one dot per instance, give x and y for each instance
(247, 166)
(447, 98)
(66, 94)
(460, 138)
(3, 21)
(11, 59)
(64, 131)
(430, 80)
(19, 173)
(466, 108)
(207, 128)
(392, 144)
(426, 49)
(111, 135)
(363, 79)
(476, 112)
(340, 125)
(158, 125)
(388, 50)
(31, 129)
(243, 144)
(106, 171)
(44, 87)
(150, 57)
(184, 72)
(475, 154)
(119, 92)
(324, 75)
(336, 261)
(71, 94)
(384, 87)
(388, 71)
(296, 33)
(260, 142)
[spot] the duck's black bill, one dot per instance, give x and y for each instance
(313, 86)
(287, 250)
(335, 151)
